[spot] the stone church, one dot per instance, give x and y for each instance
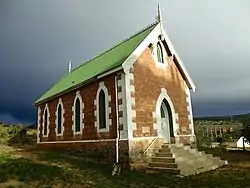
(133, 101)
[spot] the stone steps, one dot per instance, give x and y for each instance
(182, 160)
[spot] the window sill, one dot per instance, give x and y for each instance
(161, 65)
(77, 133)
(102, 130)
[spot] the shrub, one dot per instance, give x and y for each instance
(204, 141)
(3, 134)
(246, 131)
(15, 134)
(220, 139)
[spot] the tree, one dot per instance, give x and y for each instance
(220, 139)
(245, 132)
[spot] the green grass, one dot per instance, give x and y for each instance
(57, 169)
(4, 158)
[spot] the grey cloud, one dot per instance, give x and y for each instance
(38, 38)
(8, 119)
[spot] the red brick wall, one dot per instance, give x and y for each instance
(148, 81)
(88, 93)
(100, 151)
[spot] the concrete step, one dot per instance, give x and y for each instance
(184, 153)
(163, 154)
(182, 160)
(165, 145)
(185, 158)
(187, 153)
(198, 164)
(163, 164)
(207, 168)
(177, 146)
(163, 159)
(193, 151)
(195, 166)
(165, 150)
(173, 171)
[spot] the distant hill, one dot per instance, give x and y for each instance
(33, 126)
(226, 119)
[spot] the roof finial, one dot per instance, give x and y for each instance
(159, 17)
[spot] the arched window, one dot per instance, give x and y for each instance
(77, 115)
(159, 53)
(59, 119)
(102, 110)
(45, 128)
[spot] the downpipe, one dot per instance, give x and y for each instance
(116, 167)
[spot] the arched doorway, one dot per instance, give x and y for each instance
(167, 127)
(166, 121)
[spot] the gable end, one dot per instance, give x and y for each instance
(159, 33)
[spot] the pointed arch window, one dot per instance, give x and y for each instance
(77, 127)
(46, 122)
(78, 115)
(59, 119)
(102, 110)
(159, 53)
(45, 127)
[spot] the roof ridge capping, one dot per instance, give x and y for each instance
(136, 33)
(143, 29)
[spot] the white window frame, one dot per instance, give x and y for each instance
(104, 88)
(78, 96)
(62, 120)
(48, 122)
(163, 65)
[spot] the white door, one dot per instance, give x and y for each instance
(164, 129)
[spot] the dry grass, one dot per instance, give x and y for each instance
(38, 168)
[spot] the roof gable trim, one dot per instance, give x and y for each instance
(179, 62)
(139, 50)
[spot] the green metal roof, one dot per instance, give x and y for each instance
(108, 60)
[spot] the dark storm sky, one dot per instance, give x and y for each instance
(38, 38)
